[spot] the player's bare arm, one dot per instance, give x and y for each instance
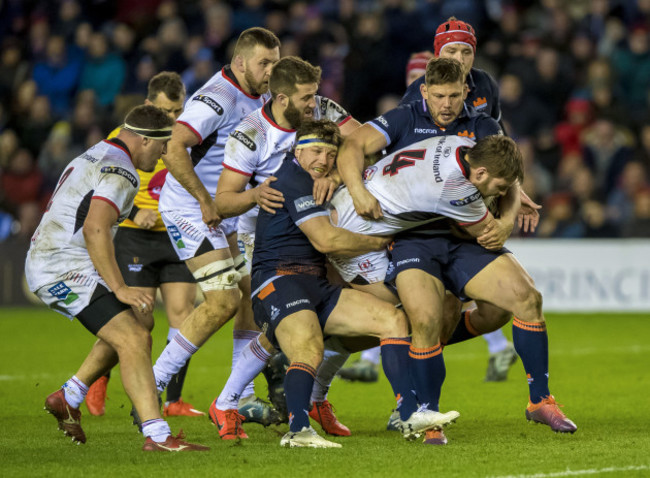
(500, 229)
(528, 216)
(233, 199)
(482, 227)
(178, 162)
(330, 239)
(99, 242)
(365, 140)
(324, 187)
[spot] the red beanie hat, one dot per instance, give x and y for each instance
(454, 31)
(418, 62)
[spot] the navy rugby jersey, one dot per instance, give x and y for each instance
(483, 93)
(281, 248)
(412, 122)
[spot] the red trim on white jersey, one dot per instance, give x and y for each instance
(462, 168)
(475, 222)
(236, 170)
(345, 120)
(119, 147)
(237, 85)
(274, 124)
(192, 130)
(102, 198)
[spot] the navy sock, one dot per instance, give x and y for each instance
(175, 386)
(464, 330)
(396, 362)
(428, 374)
(531, 343)
(298, 383)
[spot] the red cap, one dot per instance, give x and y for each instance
(454, 31)
(418, 62)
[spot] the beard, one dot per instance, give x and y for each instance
(293, 115)
(257, 87)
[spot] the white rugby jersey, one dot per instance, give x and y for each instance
(421, 183)
(258, 145)
(211, 113)
(104, 172)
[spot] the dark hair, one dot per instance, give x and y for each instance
(323, 128)
(251, 37)
(500, 156)
(289, 72)
(167, 82)
(148, 117)
(441, 71)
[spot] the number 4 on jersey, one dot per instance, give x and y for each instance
(403, 160)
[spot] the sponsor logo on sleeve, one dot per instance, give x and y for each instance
(62, 292)
(243, 139)
(210, 102)
(304, 203)
(382, 120)
(465, 201)
(121, 172)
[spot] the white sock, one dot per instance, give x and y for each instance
(252, 361)
(371, 355)
(240, 339)
(171, 333)
(158, 429)
(496, 341)
(172, 359)
(75, 391)
(334, 358)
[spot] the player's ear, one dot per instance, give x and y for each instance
(481, 174)
(239, 63)
(423, 90)
(282, 99)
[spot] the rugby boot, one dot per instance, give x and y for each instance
(181, 409)
(435, 437)
(306, 438)
(394, 421)
(274, 373)
(96, 397)
(323, 413)
(228, 422)
(68, 418)
(360, 371)
(256, 410)
(548, 412)
(500, 363)
(424, 420)
(173, 443)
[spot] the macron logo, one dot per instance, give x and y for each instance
(304, 203)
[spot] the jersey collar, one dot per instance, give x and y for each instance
(228, 74)
(462, 163)
(268, 115)
(118, 143)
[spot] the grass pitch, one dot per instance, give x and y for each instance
(599, 370)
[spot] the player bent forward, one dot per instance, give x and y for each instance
(71, 267)
(295, 305)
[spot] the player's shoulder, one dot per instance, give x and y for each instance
(252, 131)
(218, 93)
(483, 78)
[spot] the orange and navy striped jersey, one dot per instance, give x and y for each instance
(149, 192)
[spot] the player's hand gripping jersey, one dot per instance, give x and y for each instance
(258, 145)
(211, 113)
(104, 172)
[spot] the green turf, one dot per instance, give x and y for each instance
(599, 370)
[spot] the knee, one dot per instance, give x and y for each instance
(137, 339)
(530, 302)
(396, 324)
(222, 305)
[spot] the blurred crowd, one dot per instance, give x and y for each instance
(574, 80)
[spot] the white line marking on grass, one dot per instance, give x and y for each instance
(568, 472)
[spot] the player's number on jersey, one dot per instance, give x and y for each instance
(404, 159)
(64, 176)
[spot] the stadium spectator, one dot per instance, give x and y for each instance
(103, 72)
(620, 202)
(35, 128)
(13, 68)
(639, 225)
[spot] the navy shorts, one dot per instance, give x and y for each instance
(103, 306)
(285, 295)
(148, 259)
(451, 260)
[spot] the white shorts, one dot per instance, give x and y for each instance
(371, 266)
(246, 244)
(70, 293)
(187, 231)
